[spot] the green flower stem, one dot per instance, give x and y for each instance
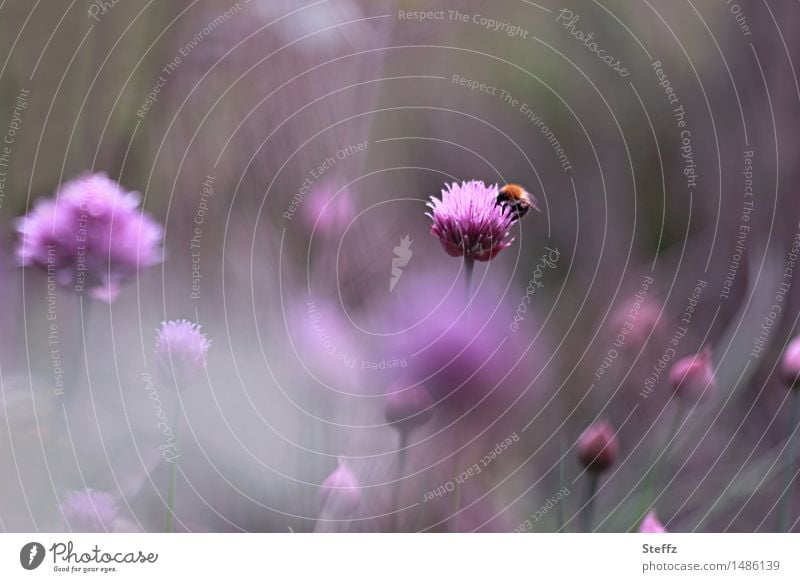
(785, 506)
(401, 465)
(591, 491)
(173, 476)
(469, 267)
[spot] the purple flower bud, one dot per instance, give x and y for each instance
(340, 493)
(89, 511)
(92, 235)
(651, 524)
(635, 322)
(181, 350)
(790, 364)
(469, 222)
(692, 377)
(408, 408)
(598, 447)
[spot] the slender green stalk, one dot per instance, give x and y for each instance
(562, 485)
(401, 465)
(457, 492)
(169, 528)
(677, 420)
(469, 267)
(173, 476)
(588, 508)
(460, 437)
(657, 467)
(785, 505)
(83, 309)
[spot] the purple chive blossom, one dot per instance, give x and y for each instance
(89, 511)
(469, 222)
(92, 234)
(181, 349)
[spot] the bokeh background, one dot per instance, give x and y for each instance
(303, 140)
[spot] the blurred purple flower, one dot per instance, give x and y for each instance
(469, 222)
(89, 511)
(92, 234)
(464, 357)
(340, 493)
(598, 447)
(651, 524)
(692, 377)
(327, 214)
(181, 349)
(790, 364)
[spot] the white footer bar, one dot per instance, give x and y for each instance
(401, 557)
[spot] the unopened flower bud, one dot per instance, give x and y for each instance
(635, 322)
(340, 493)
(790, 364)
(598, 447)
(408, 408)
(651, 524)
(692, 377)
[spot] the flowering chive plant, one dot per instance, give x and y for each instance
(790, 374)
(181, 351)
(92, 235)
(468, 221)
(598, 450)
(181, 348)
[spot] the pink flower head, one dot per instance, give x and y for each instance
(181, 348)
(692, 377)
(408, 407)
(92, 235)
(790, 364)
(598, 448)
(469, 222)
(89, 511)
(340, 495)
(651, 524)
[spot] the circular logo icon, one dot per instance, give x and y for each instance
(31, 555)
